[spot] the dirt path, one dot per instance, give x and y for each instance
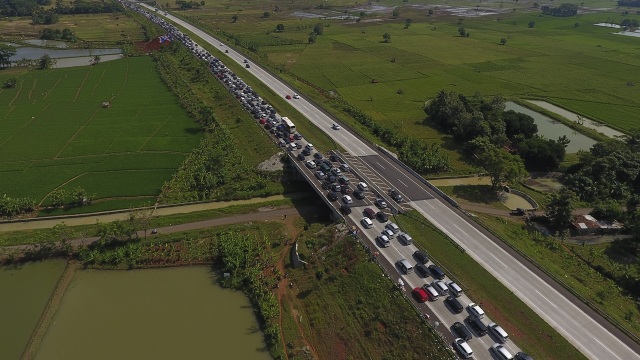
(49, 311)
(90, 219)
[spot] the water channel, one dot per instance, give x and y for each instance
(552, 129)
(26, 289)
(173, 313)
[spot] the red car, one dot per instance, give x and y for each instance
(263, 121)
(421, 295)
(288, 97)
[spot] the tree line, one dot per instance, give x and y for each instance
(505, 143)
(631, 3)
(564, 10)
(40, 15)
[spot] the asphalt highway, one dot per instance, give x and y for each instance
(595, 339)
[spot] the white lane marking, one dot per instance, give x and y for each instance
(380, 165)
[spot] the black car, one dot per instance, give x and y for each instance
(477, 325)
(297, 136)
(395, 195)
(301, 157)
(359, 194)
(421, 257)
(523, 356)
(332, 196)
(382, 217)
(422, 270)
(454, 304)
(343, 180)
(329, 164)
(326, 186)
(336, 187)
(460, 330)
(345, 209)
(331, 178)
(318, 156)
(437, 272)
(306, 152)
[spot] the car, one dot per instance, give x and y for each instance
(344, 167)
(383, 240)
(437, 272)
(310, 164)
(477, 325)
(393, 227)
(395, 195)
(298, 136)
(358, 194)
(345, 189)
(422, 270)
(318, 156)
(331, 178)
(247, 66)
(345, 209)
(367, 223)
(454, 304)
(381, 203)
(226, 51)
(332, 196)
(433, 294)
(463, 348)
(389, 233)
(369, 213)
(336, 171)
(336, 127)
(363, 186)
(245, 61)
(306, 152)
(382, 217)
(406, 239)
(288, 97)
(296, 96)
(326, 186)
(421, 257)
(523, 356)
(263, 121)
(498, 332)
(441, 287)
(336, 187)
(298, 145)
(420, 294)
(501, 352)
(343, 180)
(460, 330)
(309, 146)
(268, 126)
(347, 199)
(475, 310)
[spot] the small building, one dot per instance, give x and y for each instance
(588, 225)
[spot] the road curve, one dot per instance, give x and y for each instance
(593, 339)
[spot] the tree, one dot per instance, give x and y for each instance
(96, 60)
(10, 83)
(6, 51)
(462, 31)
(502, 167)
(280, 28)
(560, 208)
(532, 24)
(395, 13)
(430, 12)
(318, 29)
(266, 14)
(58, 197)
(386, 37)
(311, 39)
(541, 154)
(503, 41)
(234, 18)
(202, 3)
(407, 23)
(519, 124)
(46, 62)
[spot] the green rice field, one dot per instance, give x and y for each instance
(55, 133)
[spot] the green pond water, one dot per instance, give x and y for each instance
(24, 292)
(174, 313)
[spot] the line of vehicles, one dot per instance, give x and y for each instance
(334, 178)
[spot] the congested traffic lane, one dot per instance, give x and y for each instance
(595, 340)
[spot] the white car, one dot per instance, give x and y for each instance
(310, 164)
(475, 310)
(463, 348)
(296, 96)
(363, 186)
(388, 233)
(336, 127)
(383, 240)
(501, 352)
(367, 223)
(347, 199)
(309, 146)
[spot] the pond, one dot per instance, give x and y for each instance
(172, 313)
(552, 129)
(33, 53)
(26, 289)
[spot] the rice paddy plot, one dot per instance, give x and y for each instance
(56, 133)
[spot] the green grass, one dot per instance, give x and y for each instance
(525, 327)
(55, 134)
(584, 69)
(559, 260)
(350, 308)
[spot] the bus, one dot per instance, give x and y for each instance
(289, 125)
